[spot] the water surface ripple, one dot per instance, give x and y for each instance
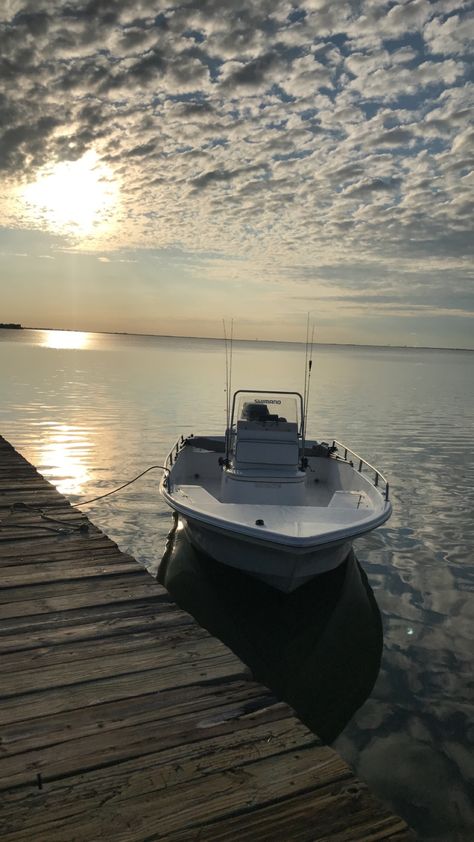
(92, 416)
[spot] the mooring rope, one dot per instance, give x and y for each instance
(114, 490)
(66, 526)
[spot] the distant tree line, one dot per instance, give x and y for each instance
(10, 325)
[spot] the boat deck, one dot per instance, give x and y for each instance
(343, 513)
(317, 495)
(122, 718)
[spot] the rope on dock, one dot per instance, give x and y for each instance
(66, 527)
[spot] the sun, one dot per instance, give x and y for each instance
(73, 197)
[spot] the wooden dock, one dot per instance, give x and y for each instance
(122, 719)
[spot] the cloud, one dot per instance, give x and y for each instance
(453, 36)
(253, 75)
(284, 131)
(375, 185)
(393, 137)
(391, 82)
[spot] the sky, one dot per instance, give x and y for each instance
(165, 166)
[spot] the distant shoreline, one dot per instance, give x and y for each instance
(248, 341)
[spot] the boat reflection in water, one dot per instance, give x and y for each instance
(318, 648)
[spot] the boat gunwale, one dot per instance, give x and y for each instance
(182, 442)
(277, 539)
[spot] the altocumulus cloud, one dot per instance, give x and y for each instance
(300, 134)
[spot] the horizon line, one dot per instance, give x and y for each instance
(274, 341)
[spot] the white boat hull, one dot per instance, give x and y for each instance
(283, 567)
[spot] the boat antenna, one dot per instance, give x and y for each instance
(305, 367)
(228, 378)
(308, 365)
(226, 383)
(230, 362)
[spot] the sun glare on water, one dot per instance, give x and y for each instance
(65, 339)
(73, 197)
(64, 456)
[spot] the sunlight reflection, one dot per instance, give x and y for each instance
(74, 339)
(64, 456)
(76, 197)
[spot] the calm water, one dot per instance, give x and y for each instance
(91, 411)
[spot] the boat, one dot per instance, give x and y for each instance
(265, 499)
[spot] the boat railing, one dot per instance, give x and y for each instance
(170, 459)
(353, 459)
(350, 457)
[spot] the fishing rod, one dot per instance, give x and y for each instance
(308, 365)
(228, 380)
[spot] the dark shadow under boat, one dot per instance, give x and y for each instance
(318, 648)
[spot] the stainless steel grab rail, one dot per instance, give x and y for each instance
(362, 462)
(378, 476)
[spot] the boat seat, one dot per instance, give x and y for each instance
(273, 444)
(276, 429)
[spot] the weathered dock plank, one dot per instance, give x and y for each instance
(118, 711)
